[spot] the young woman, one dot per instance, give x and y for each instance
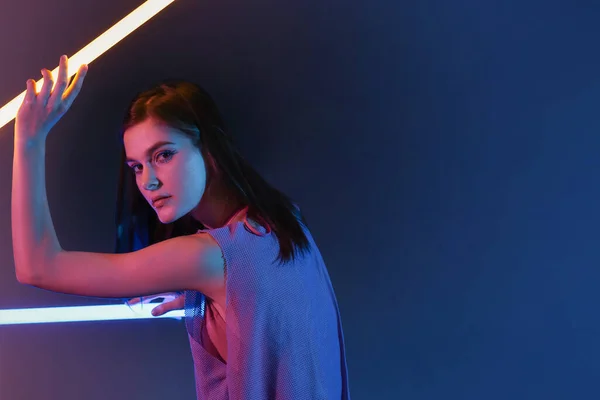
(195, 218)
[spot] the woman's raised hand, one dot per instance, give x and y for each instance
(40, 111)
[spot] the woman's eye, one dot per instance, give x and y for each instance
(136, 168)
(164, 156)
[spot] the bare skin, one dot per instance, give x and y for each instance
(171, 301)
(192, 262)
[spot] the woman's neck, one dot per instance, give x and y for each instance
(217, 207)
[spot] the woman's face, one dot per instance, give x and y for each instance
(170, 171)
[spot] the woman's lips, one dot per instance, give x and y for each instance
(160, 202)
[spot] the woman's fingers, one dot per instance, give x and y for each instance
(165, 307)
(73, 90)
(160, 310)
(133, 301)
(170, 296)
(58, 96)
(63, 95)
(44, 94)
(41, 111)
(62, 81)
(171, 301)
(30, 92)
(142, 300)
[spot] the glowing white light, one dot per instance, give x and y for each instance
(94, 49)
(82, 313)
(8, 112)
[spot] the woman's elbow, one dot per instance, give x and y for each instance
(27, 276)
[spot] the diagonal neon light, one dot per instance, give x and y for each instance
(82, 313)
(95, 49)
(8, 112)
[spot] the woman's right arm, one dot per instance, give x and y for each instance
(190, 262)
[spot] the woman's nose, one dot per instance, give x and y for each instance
(150, 181)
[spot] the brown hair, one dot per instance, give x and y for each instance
(190, 109)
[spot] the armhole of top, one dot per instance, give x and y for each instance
(255, 227)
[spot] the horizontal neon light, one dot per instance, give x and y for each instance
(94, 49)
(82, 313)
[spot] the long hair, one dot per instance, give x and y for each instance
(190, 109)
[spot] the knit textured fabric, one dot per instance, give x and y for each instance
(284, 334)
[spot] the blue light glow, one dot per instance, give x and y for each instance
(82, 313)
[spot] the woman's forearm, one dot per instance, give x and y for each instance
(35, 243)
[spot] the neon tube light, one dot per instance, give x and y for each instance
(83, 313)
(8, 112)
(94, 49)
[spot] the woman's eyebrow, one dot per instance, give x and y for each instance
(151, 149)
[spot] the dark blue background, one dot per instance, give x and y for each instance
(445, 154)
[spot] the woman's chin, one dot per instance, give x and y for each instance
(164, 216)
